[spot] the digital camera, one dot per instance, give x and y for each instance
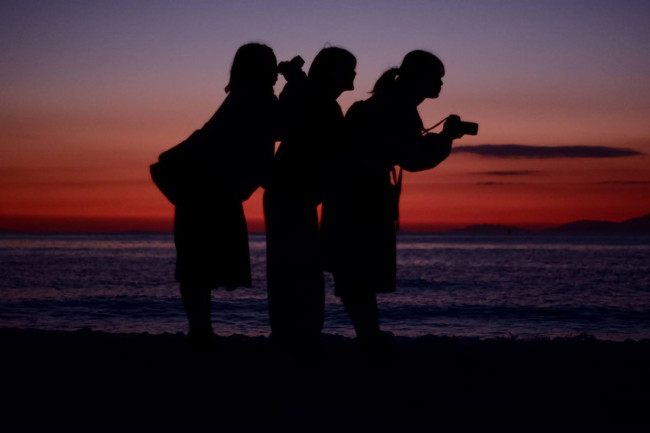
(469, 128)
(466, 128)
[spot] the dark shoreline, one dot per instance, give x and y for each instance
(134, 382)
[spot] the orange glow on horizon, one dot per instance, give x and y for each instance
(110, 190)
(94, 93)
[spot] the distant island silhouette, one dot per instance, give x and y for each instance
(491, 229)
(637, 225)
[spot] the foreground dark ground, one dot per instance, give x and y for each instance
(92, 381)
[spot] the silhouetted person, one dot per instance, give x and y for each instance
(360, 207)
(312, 121)
(210, 229)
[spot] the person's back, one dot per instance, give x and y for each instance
(294, 269)
(210, 231)
(360, 199)
(297, 169)
(239, 140)
(361, 202)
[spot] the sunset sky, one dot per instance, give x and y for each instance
(92, 91)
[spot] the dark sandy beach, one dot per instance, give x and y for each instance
(93, 381)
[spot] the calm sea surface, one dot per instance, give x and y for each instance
(483, 286)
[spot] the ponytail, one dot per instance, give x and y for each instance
(386, 81)
(414, 64)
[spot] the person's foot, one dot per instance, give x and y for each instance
(377, 346)
(298, 347)
(202, 340)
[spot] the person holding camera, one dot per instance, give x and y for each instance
(384, 134)
(311, 121)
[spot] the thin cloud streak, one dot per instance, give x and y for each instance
(626, 182)
(546, 152)
(509, 173)
(618, 183)
(74, 184)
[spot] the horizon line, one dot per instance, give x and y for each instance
(125, 225)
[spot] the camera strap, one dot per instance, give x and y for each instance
(424, 131)
(396, 181)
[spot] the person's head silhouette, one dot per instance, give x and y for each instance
(333, 71)
(254, 67)
(420, 75)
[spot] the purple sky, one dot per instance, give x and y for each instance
(93, 91)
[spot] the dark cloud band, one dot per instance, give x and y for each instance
(522, 151)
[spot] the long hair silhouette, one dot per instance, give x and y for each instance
(254, 66)
(414, 65)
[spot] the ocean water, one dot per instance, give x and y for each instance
(524, 286)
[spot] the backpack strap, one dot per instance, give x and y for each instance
(396, 180)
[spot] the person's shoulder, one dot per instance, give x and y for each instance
(241, 105)
(248, 103)
(269, 100)
(356, 108)
(248, 96)
(293, 96)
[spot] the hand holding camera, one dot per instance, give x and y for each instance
(456, 128)
(292, 70)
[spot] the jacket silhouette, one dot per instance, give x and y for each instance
(383, 135)
(312, 121)
(231, 161)
(361, 207)
(210, 228)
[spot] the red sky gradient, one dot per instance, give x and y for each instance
(92, 92)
